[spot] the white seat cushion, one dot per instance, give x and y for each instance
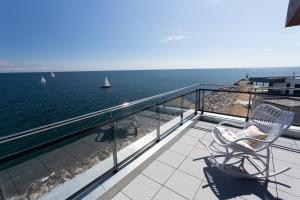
(253, 132)
(230, 136)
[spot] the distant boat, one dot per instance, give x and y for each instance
(43, 80)
(52, 75)
(106, 83)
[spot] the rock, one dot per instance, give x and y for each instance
(44, 189)
(20, 197)
(107, 151)
(34, 196)
(52, 181)
(95, 160)
(78, 170)
(65, 174)
(66, 179)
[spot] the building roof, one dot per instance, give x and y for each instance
(287, 102)
(267, 79)
(274, 79)
(293, 13)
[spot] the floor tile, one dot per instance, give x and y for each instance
(205, 192)
(189, 140)
(166, 194)
(158, 171)
(205, 125)
(293, 172)
(120, 196)
(80, 150)
(223, 185)
(253, 189)
(141, 188)
(203, 143)
(196, 133)
(171, 158)
(8, 189)
(182, 148)
(289, 184)
(27, 173)
(196, 153)
(285, 155)
(193, 168)
(58, 160)
(183, 184)
(207, 137)
(285, 195)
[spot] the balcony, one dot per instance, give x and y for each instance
(142, 150)
(175, 175)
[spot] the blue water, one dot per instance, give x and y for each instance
(25, 103)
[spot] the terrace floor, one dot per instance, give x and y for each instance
(175, 176)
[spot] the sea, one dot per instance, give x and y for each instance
(25, 103)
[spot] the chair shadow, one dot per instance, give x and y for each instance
(225, 186)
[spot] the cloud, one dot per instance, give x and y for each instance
(4, 63)
(173, 38)
(5, 66)
(214, 2)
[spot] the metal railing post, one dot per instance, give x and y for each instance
(196, 102)
(114, 146)
(199, 98)
(158, 125)
(249, 106)
(202, 102)
(181, 114)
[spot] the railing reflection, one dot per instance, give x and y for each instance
(48, 156)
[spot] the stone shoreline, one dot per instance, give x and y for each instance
(229, 102)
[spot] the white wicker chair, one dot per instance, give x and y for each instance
(269, 120)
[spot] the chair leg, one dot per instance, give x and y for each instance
(226, 158)
(268, 163)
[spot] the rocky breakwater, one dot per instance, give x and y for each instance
(220, 102)
(226, 100)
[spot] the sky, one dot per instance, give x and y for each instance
(71, 35)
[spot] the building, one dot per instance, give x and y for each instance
(293, 13)
(279, 82)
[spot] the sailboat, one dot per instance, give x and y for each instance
(106, 83)
(43, 80)
(52, 75)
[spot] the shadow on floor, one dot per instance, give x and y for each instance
(225, 186)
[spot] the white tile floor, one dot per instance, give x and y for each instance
(175, 176)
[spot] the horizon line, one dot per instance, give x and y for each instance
(145, 69)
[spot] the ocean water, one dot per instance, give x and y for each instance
(25, 103)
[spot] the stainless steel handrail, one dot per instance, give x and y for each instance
(125, 105)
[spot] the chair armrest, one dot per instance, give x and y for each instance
(236, 124)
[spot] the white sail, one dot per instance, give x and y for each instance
(106, 83)
(52, 75)
(43, 80)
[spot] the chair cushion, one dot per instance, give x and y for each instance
(230, 136)
(253, 132)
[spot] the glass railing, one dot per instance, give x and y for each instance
(238, 101)
(66, 157)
